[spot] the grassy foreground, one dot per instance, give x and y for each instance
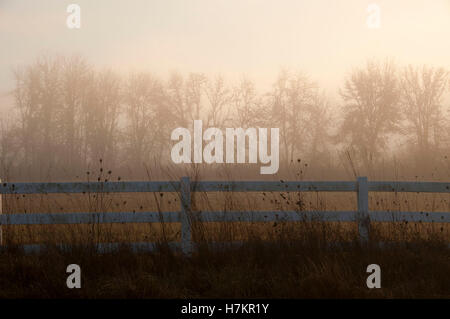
(278, 260)
(280, 269)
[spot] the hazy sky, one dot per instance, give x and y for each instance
(256, 38)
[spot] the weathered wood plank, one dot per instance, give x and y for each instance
(424, 217)
(272, 186)
(419, 187)
(220, 216)
(273, 216)
(220, 186)
(89, 218)
(97, 187)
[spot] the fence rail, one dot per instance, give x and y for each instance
(185, 216)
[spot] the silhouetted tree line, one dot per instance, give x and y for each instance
(68, 115)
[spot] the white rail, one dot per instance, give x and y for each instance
(184, 187)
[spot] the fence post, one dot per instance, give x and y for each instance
(363, 209)
(186, 236)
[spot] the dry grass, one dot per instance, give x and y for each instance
(279, 269)
(135, 202)
(278, 260)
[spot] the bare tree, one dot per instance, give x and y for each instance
(77, 78)
(9, 147)
(185, 98)
(102, 116)
(219, 98)
(422, 89)
(371, 109)
(318, 127)
(147, 117)
(248, 105)
(37, 97)
(290, 103)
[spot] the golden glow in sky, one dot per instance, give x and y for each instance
(255, 38)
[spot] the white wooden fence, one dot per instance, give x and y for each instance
(185, 216)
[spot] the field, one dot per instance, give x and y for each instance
(277, 260)
(104, 98)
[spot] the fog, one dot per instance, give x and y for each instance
(347, 98)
